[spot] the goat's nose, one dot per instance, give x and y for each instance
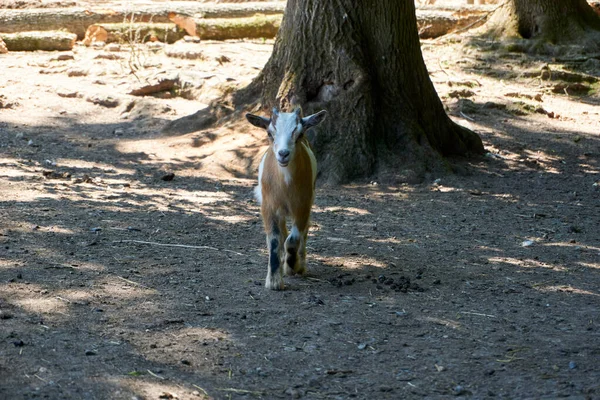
(284, 154)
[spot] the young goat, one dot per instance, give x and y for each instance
(286, 189)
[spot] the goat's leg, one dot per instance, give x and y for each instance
(301, 267)
(292, 244)
(296, 249)
(275, 245)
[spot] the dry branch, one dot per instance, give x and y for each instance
(164, 85)
(32, 41)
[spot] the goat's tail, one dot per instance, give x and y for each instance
(258, 194)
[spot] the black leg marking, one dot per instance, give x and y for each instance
(291, 259)
(274, 256)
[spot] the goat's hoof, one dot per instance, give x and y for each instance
(300, 269)
(274, 283)
(287, 270)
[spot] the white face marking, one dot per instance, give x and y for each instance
(287, 129)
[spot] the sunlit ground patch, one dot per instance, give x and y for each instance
(567, 289)
(351, 263)
(526, 263)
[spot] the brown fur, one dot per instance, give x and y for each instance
(295, 200)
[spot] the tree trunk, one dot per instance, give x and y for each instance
(548, 21)
(362, 62)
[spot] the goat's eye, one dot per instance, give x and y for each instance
(270, 135)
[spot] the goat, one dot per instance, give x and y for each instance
(286, 189)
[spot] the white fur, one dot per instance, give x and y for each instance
(287, 175)
(258, 188)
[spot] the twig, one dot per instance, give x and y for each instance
(240, 391)
(185, 246)
(314, 279)
(479, 314)
(165, 244)
(467, 117)
(60, 266)
(132, 282)
(203, 391)
(441, 67)
(154, 375)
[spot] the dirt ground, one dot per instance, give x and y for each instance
(132, 261)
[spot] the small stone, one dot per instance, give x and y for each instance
(572, 365)
(191, 39)
(186, 362)
(112, 47)
(68, 94)
(19, 343)
(65, 57)
(74, 72)
(91, 352)
(105, 101)
(458, 390)
(293, 393)
(5, 315)
(168, 177)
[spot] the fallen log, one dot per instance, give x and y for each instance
(3, 48)
(77, 20)
(133, 33)
(432, 24)
(264, 26)
(46, 41)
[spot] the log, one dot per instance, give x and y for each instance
(434, 24)
(3, 48)
(135, 33)
(46, 41)
(77, 20)
(264, 26)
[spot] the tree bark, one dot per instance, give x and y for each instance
(362, 62)
(547, 21)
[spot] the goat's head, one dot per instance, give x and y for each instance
(285, 129)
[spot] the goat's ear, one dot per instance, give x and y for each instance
(258, 121)
(313, 120)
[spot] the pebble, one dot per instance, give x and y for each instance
(168, 177)
(572, 365)
(458, 390)
(5, 315)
